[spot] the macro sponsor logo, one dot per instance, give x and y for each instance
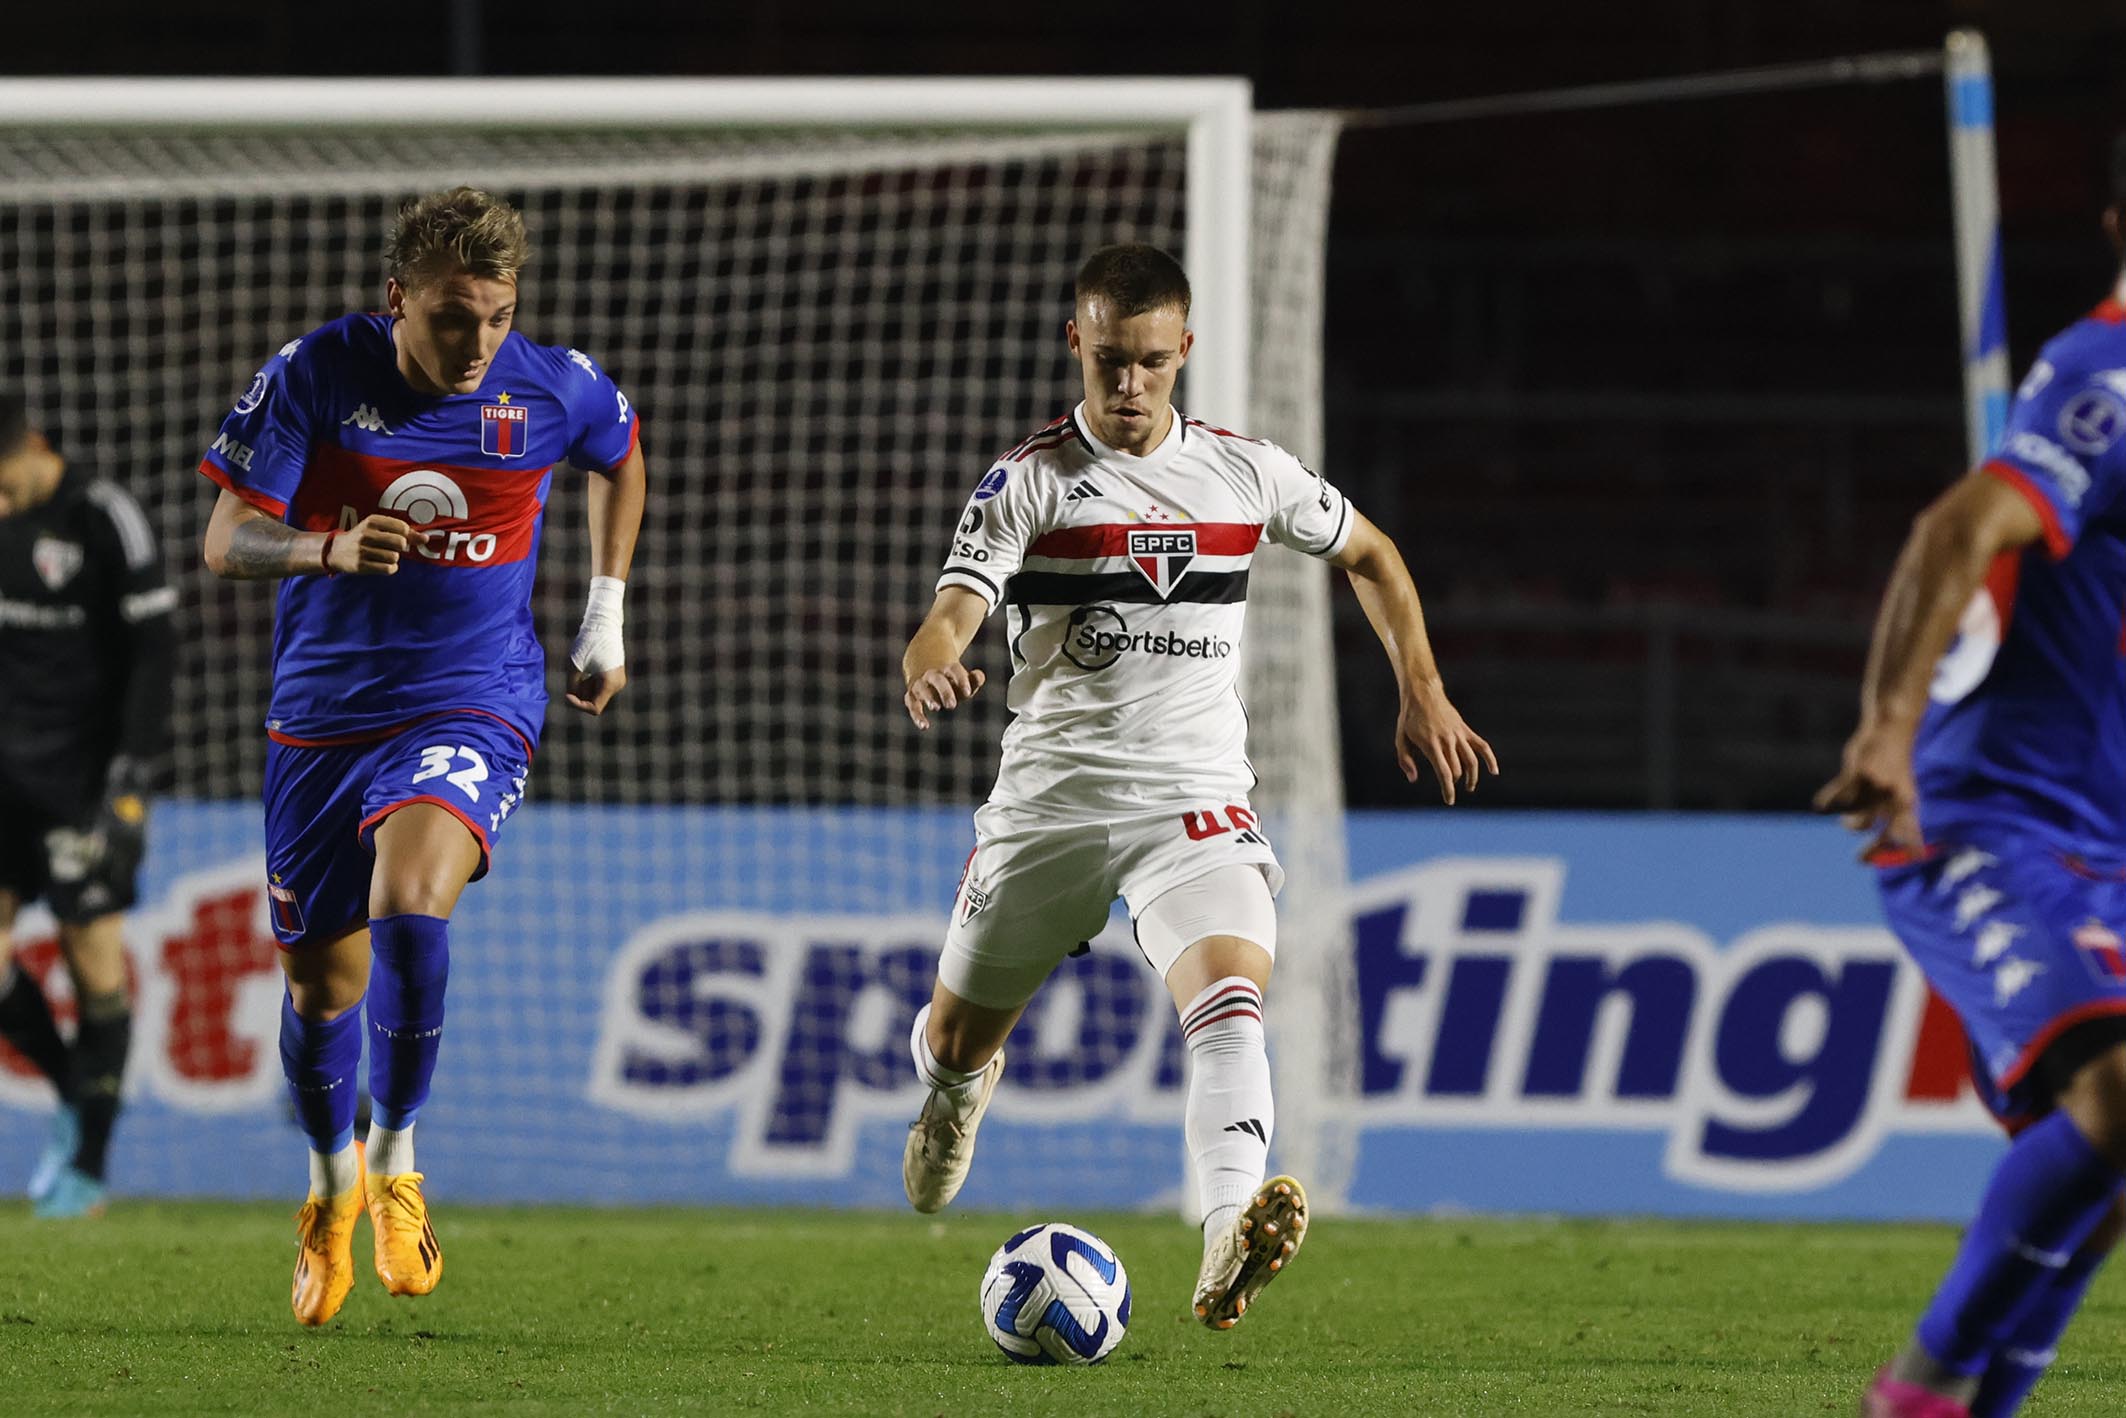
(1096, 636)
(2043, 453)
(423, 496)
(1776, 1061)
(207, 989)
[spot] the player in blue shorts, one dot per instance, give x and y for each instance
(1991, 775)
(391, 470)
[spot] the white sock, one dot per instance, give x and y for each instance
(1230, 1116)
(334, 1173)
(390, 1149)
(955, 1089)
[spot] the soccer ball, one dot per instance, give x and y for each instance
(1055, 1295)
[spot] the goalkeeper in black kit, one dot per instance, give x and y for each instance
(85, 685)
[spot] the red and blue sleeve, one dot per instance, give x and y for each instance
(262, 446)
(2062, 450)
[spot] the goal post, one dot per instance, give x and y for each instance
(832, 301)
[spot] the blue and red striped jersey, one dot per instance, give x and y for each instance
(328, 433)
(2028, 719)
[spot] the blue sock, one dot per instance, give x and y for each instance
(2027, 1352)
(411, 966)
(319, 1057)
(2046, 1196)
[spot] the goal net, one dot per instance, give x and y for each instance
(692, 972)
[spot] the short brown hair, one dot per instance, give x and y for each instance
(1134, 278)
(463, 228)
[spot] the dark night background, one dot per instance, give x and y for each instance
(1648, 395)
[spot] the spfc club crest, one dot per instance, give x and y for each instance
(504, 429)
(56, 561)
(1161, 557)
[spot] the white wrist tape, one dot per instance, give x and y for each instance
(597, 648)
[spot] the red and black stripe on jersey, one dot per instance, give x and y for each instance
(1196, 586)
(1053, 435)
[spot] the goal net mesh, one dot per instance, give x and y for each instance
(692, 971)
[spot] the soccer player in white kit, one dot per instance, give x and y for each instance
(1118, 541)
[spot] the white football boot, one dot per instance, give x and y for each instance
(1251, 1252)
(941, 1146)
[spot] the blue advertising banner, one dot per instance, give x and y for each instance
(1554, 1013)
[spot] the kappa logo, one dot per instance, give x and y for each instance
(366, 418)
(56, 561)
(1162, 557)
(583, 362)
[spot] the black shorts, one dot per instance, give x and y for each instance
(45, 856)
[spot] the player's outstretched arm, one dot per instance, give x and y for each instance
(1951, 546)
(1428, 726)
(934, 677)
(244, 543)
(597, 662)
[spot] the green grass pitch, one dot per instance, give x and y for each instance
(172, 1309)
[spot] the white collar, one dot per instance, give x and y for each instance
(1168, 446)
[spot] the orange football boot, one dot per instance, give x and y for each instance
(324, 1255)
(408, 1260)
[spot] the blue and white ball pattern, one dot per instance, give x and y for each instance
(1054, 1294)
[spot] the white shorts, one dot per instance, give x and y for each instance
(1036, 889)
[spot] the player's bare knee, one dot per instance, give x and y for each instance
(1216, 958)
(423, 892)
(95, 955)
(329, 977)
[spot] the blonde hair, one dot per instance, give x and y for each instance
(463, 228)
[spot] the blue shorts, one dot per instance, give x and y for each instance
(2022, 941)
(323, 804)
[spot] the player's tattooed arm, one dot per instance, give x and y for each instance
(1952, 545)
(932, 676)
(1427, 725)
(243, 543)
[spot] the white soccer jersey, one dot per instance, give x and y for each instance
(1124, 582)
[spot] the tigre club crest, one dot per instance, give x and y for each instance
(56, 561)
(1161, 557)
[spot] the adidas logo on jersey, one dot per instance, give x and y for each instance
(1083, 491)
(366, 417)
(1253, 1128)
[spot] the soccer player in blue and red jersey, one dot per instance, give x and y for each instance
(1991, 776)
(391, 471)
